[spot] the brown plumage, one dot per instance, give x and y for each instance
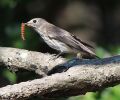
(60, 39)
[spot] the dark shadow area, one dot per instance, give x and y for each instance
(76, 61)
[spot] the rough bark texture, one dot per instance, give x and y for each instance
(82, 76)
(16, 59)
(77, 80)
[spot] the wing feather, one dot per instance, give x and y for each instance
(65, 37)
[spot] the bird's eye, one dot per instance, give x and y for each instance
(34, 21)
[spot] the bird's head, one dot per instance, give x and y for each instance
(35, 23)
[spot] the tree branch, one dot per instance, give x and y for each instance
(16, 59)
(87, 75)
(80, 77)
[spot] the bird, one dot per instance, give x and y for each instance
(60, 39)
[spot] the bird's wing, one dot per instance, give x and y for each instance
(84, 43)
(65, 37)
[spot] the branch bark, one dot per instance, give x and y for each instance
(16, 59)
(75, 81)
(82, 76)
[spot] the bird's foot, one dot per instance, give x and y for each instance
(58, 55)
(55, 56)
(79, 56)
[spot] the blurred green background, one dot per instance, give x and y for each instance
(96, 22)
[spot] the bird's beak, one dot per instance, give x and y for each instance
(28, 24)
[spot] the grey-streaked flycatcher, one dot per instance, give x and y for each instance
(60, 39)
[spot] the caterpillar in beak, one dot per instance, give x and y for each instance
(23, 31)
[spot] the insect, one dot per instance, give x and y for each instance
(23, 31)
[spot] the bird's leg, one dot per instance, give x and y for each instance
(58, 55)
(79, 55)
